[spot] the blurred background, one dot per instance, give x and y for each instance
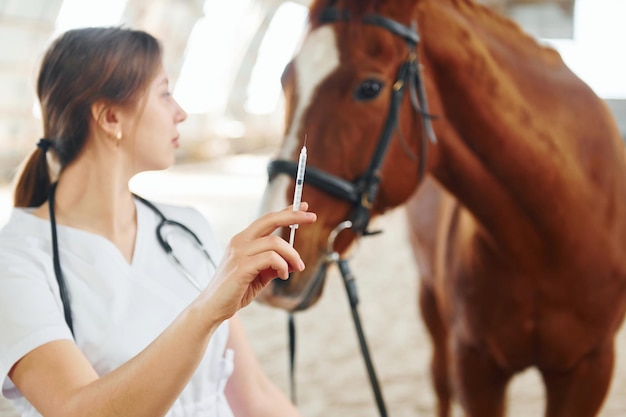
(224, 59)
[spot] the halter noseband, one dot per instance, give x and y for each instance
(363, 191)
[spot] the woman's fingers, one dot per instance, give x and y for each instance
(268, 223)
(258, 238)
(304, 206)
(253, 258)
(242, 278)
(273, 261)
(280, 246)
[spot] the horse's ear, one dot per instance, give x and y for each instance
(287, 81)
(287, 75)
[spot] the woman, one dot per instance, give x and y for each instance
(137, 335)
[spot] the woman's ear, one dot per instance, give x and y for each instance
(106, 118)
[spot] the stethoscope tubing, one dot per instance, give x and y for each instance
(167, 248)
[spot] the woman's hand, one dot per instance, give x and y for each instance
(253, 258)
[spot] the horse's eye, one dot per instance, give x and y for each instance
(368, 90)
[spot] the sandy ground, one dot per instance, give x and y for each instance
(331, 377)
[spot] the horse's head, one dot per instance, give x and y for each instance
(354, 92)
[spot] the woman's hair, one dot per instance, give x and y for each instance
(82, 67)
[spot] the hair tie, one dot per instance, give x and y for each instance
(44, 144)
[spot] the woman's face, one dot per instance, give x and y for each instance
(155, 130)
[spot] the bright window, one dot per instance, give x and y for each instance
(213, 52)
(216, 47)
(279, 44)
(79, 13)
(595, 53)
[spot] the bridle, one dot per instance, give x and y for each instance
(362, 192)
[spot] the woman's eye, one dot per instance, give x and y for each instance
(368, 89)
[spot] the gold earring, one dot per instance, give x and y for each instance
(118, 138)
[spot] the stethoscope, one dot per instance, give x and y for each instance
(167, 248)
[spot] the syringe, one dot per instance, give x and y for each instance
(297, 194)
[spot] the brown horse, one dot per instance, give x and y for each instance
(519, 224)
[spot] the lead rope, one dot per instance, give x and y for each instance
(291, 327)
(353, 298)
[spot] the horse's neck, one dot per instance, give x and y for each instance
(524, 144)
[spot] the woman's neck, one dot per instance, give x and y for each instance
(92, 195)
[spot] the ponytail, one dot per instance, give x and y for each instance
(33, 184)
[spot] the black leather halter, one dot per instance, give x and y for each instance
(362, 192)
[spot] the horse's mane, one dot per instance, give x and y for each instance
(403, 10)
(507, 27)
(356, 6)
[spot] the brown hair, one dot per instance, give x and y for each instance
(81, 67)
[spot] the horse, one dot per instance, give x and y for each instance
(513, 175)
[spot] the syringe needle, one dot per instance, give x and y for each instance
(297, 195)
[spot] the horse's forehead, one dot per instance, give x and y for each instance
(317, 59)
